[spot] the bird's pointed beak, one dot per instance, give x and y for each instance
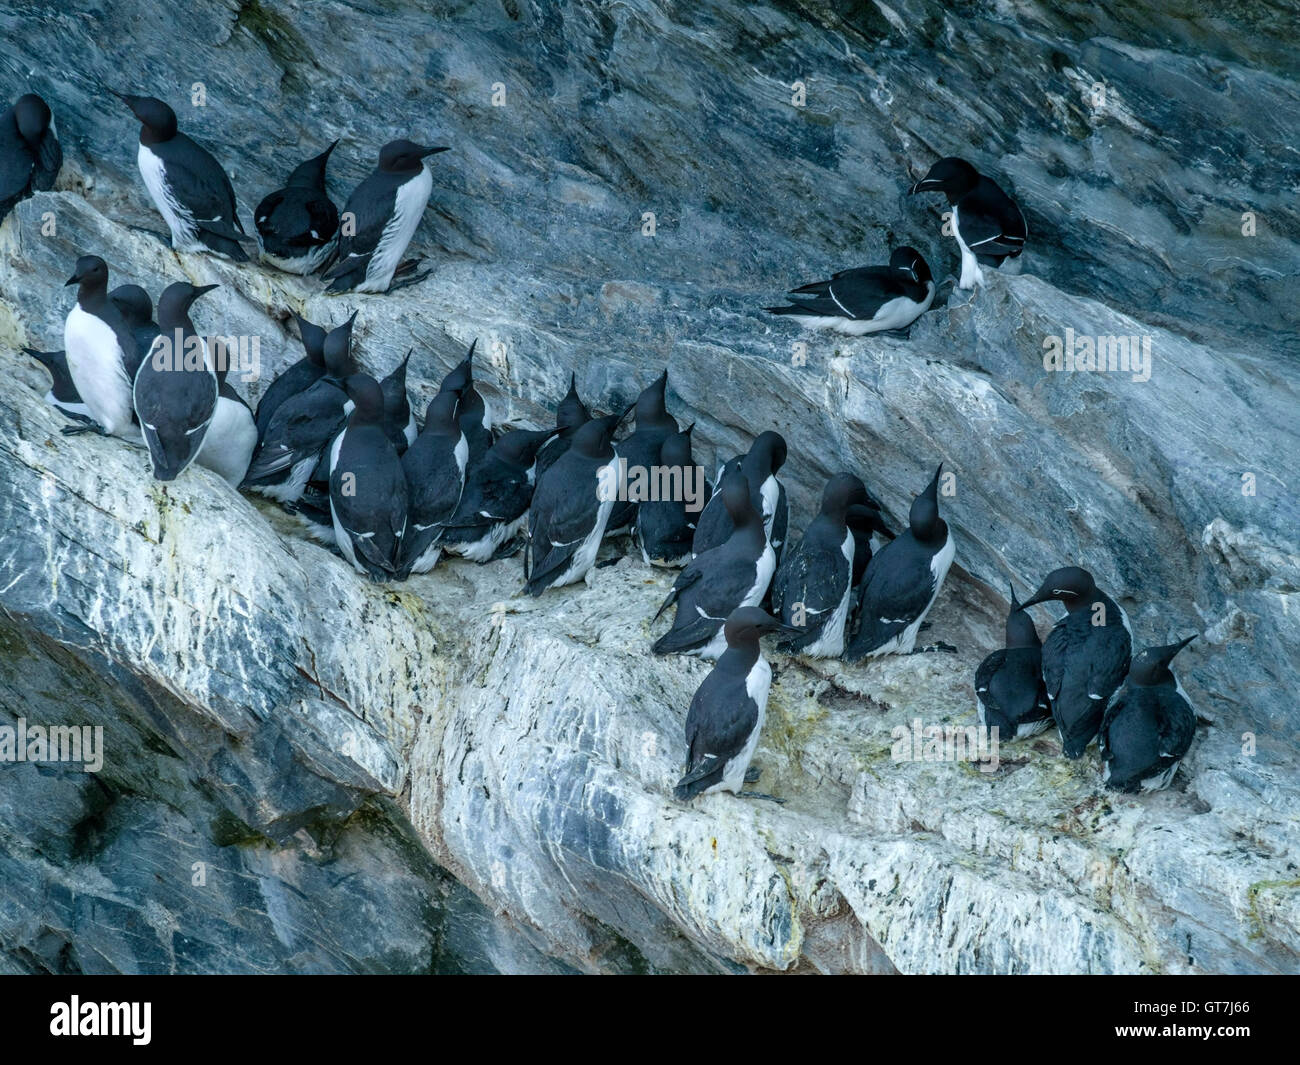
(73, 280)
(202, 289)
(926, 184)
(426, 152)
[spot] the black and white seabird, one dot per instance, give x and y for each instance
(868, 299)
(435, 479)
(1009, 691)
(1085, 656)
(380, 219)
(475, 416)
(397, 406)
(903, 581)
(571, 508)
(176, 387)
(717, 581)
(989, 227)
(300, 430)
(814, 583)
(494, 505)
(641, 447)
(296, 225)
(63, 394)
(727, 713)
(102, 350)
(1149, 727)
(760, 465)
(665, 528)
(570, 416)
(299, 377)
(30, 155)
(186, 183)
(232, 435)
(368, 494)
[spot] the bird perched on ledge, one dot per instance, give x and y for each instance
(868, 299)
(988, 226)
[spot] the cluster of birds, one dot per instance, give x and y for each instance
(344, 452)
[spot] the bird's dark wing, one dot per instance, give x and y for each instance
(362, 223)
(889, 600)
(990, 222)
(1177, 728)
(49, 159)
(718, 725)
(209, 194)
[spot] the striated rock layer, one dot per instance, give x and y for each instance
(340, 757)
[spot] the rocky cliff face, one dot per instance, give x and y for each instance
(330, 750)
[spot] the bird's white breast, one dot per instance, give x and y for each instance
(178, 218)
(95, 365)
(408, 207)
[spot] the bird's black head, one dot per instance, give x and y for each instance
(441, 417)
(865, 518)
(313, 340)
(311, 174)
(766, 456)
(1151, 666)
(396, 381)
(336, 350)
(912, 263)
(157, 120)
(571, 412)
(134, 303)
(1021, 631)
(650, 406)
(519, 447)
(746, 624)
(404, 157)
(676, 449)
(32, 115)
(176, 300)
(1069, 585)
(91, 273)
(923, 518)
(593, 439)
(364, 391)
(734, 490)
(952, 176)
(461, 375)
(841, 492)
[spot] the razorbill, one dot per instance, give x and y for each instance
(868, 299)
(228, 446)
(760, 465)
(187, 185)
(299, 432)
(296, 225)
(30, 155)
(727, 712)
(989, 227)
(736, 573)
(571, 507)
(494, 505)
(176, 389)
(380, 219)
(903, 580)
(397, 406)
(641, 447)
(1085, 656)
(435, 479)
(299, 377)
(368, 495)
(814, 583)
(570, 415)
(665, 528)
(1149, 727)
(63, 394)
(1009, 691)
(102, 351)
